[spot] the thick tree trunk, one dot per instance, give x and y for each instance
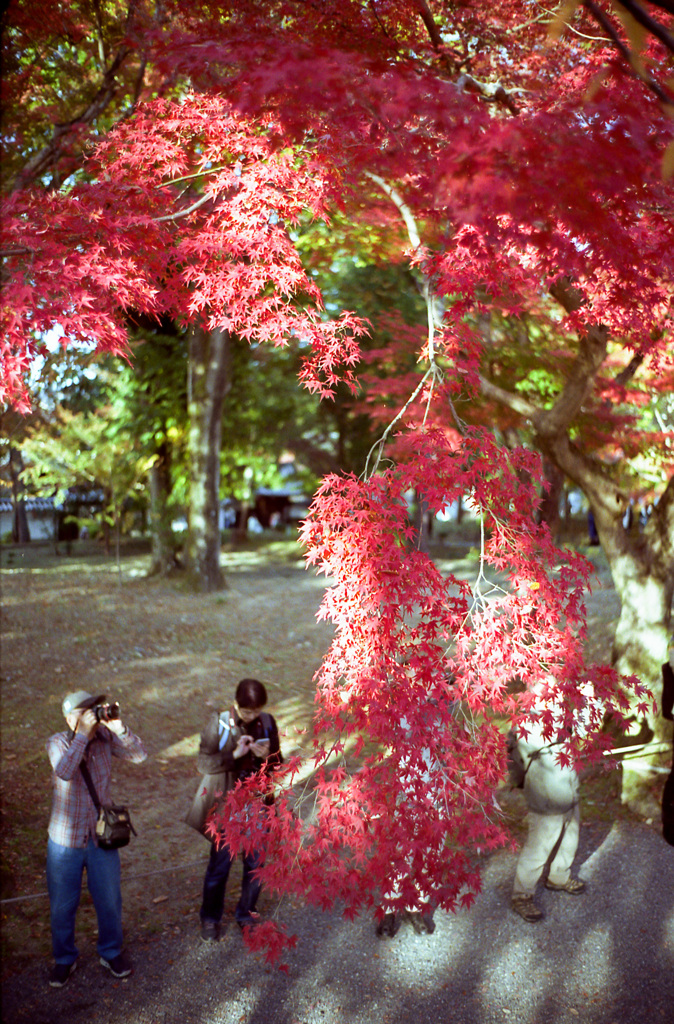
(549, 509)
(20, 529)
(642, 567)
(247, 503)
(209, 381)
(163, 556)
(641, 562)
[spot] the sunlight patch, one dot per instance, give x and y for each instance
(186, 747)
(592, 973)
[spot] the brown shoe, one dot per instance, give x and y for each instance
(523, 904)
(574, 886)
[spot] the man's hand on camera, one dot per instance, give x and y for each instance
(261, 748)
(87, 723)
(114, 725)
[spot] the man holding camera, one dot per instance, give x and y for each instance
(94, 736)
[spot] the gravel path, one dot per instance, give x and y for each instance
(604, 958)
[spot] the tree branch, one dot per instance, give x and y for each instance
(491, 94)
(509, 399)
(39, 163)
(601, 18)
(590, 475)
(664, 5)
(439, 45)
(551, 426)
(661, 523)
(427, 291)
(184, 213)
(18, 251)
(653, 26)
(591, 354)
(628, 372)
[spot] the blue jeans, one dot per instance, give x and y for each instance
(215, 882)
(64, 882)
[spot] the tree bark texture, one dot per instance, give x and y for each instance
(209, 380)
(163, 556)
(20, 528)
(550, 502)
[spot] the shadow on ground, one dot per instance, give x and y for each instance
(604, 958)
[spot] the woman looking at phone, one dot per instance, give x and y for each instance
(234, 745)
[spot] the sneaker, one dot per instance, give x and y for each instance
(60, 974)
(523, 904)
(210, 931)
(388, 925)
(248, 922)
(428, 922)
(421, 922)
(574, 886)
(119, 966)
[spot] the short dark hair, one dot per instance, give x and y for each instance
(251, 693)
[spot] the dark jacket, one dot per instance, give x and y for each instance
(220, 769)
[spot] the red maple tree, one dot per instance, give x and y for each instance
(533, 181)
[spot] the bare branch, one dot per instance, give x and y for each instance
(39, 163)
(18, 251)
(653, 26)
(612, 32)
(435, 36)
(511, 400)
(492, 94)
(184, 213)
(402, 207)
(664, 5)
(628, 372)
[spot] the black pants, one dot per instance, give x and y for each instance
(215, 883)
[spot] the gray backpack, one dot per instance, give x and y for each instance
(517, 771)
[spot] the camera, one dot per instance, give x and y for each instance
(106, 712)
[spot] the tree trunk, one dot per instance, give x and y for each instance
(549, 509)
(163, 556)
(20, 529)
(641, 562)
(209, 381)
(642, 567)
(247, 503)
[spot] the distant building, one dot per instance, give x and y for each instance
(40, 513)
(49, 521)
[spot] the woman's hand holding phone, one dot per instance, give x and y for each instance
(261, 747)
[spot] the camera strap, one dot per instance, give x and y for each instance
(90, 786)
(97, 803)
(225, 723)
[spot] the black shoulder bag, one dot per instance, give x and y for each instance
(113, 828)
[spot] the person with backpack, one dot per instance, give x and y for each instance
(234, 745)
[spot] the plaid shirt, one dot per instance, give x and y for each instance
(73, 814)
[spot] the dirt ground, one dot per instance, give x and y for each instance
(79, 621)
(76, 622)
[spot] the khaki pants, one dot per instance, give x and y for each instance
(554, 838)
